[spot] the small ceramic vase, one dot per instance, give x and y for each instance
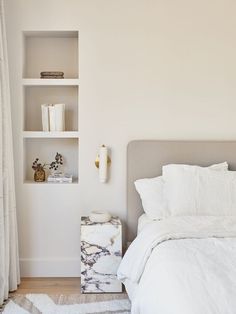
(39, 175)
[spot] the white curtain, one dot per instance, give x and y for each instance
(9, 260)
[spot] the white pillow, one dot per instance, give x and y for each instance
(199, 191)
(151, 192)
(223, 166)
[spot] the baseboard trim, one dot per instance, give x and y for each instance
(50, 267)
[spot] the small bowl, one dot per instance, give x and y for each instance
(99, 216)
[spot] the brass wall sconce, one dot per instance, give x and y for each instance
(102, 162)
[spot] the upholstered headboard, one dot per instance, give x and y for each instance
(145, 158)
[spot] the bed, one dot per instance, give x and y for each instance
(143, 222)
(182, 264)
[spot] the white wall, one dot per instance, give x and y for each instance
(148, 69)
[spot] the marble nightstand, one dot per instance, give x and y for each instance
(101, 252)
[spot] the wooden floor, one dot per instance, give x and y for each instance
(49, 285)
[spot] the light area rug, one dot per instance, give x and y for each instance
(68, 304)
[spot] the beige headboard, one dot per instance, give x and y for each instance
(145, 159)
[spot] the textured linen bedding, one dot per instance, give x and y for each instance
(183, 265)
(143, 221)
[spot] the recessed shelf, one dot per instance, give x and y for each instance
(50, 51)
(45, 148)
(50, 82)
(36, 95)
(41, 134)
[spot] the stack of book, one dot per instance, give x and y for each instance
(53, 117)
(60, 178)
(52, 75)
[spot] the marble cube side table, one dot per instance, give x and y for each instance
(101, 252)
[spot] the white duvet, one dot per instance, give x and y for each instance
(183, 265)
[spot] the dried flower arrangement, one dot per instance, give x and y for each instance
(58, 161)
(37, 166)
(39, 175)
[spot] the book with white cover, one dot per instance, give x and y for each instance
(65, 178)
(52, 118)
(59, 117)
(45, 117)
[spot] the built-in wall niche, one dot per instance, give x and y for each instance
(50, 51)
(37, 95)
(45, 149)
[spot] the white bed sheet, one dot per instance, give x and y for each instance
(143, 221)
(186, 266)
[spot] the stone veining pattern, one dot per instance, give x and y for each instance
(101, 252)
